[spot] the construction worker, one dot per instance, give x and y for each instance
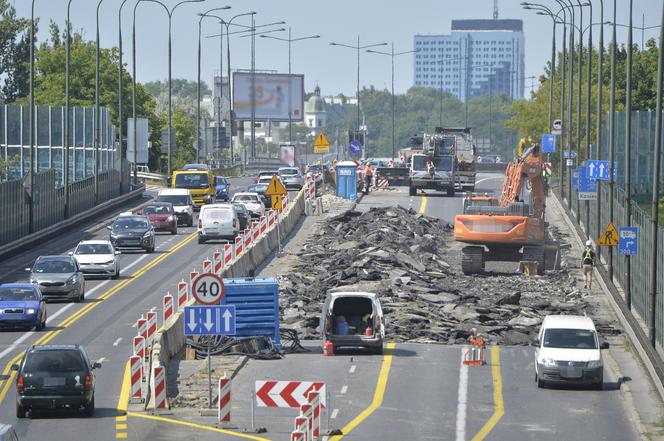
(588, 262)
(368, 176)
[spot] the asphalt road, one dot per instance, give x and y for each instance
(413, 392)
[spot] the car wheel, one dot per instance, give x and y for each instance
(117, 274)
(89, 409)
(378, 350)
(174, 231)
(540, 383)
(79, 298)
(201, 240)
(191, 221)
(20, 411)
(40, 325)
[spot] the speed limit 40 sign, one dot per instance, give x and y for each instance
(208, 289)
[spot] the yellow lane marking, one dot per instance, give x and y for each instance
(498, 404)
(423, 205)
(123, 401)
(196, 426)
(381, 385)
(120, 436)
(120, 427)
(50, 335)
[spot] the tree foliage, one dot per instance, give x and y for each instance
(184, 95)
(14, 54)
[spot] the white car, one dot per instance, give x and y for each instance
(183, 205)
(97, 257)
(569, 351)
(252, 201)
(217, 222)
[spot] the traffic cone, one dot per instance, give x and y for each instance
(328, 348)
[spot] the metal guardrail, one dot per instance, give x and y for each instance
(151, 176)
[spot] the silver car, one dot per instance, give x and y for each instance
(291, 177)
(58, 277)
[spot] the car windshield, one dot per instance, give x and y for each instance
(289, 171)
(130, 224)
(93, 248)
(54, 361)
(221, 180)
(175, 199)
(54, 266)
(443, 163)
(245, 198)
(570, 339)
(191, 180)
(240, 208)
(157, 209)
(10, 294)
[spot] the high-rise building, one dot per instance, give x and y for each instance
(476, 58)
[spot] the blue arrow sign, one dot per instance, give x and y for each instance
(209, 320)
(575, 179)
(628, 239)
(598, 170)
(355, 148)
(569, 154)
(586, 184)
(548, 143)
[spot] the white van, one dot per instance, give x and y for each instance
(217, 221)
(353, 319)
(183, 204)
(568, 351)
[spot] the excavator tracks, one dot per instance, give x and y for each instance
(472, 261)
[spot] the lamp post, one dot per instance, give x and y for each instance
(628, 156)
(598, 135)
(65, 147)
(358, 48)
(290, 41)
(120, 90)
(392, 55)
(97, 119)
(31, 225)
(612, 132)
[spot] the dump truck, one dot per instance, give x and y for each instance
(432, 163)
(464, 148)
(513, 229)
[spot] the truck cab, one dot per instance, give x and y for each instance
(201, 184)
(432, 173)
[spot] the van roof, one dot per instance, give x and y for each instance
(568, 322)
(336, 295)
(225, 206)
(174, 191)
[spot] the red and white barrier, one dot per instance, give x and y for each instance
(298, 436)
(263, 222)
(168, 308)
(228, 254)
(255, 230)
(302, 426)
(307, 412)
(314, 399)
(217, 262)
(159, 387)
(142, 328)
(152, 327)
(136, 375)
(138, 346)
(271, 218)
(272, 393)
(247, 237)
(207, 266)
(183, 294)
(239, 240)
(192, 276)
(225, 400)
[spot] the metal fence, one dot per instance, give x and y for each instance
(49, 141)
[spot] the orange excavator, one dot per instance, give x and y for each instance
(510, 229)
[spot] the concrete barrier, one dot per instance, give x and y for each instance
(169, 340)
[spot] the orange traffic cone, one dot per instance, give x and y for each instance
(328, 348)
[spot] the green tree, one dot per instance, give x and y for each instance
(185, 134)
(14, 54)
(184, 94)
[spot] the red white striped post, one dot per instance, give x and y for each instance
(263, 222)
(183, 294)
(298, 436)
(228, 254)
(270, 218)
(314, 399)
(302, 425)
(247, 237)
(192, 276)
(136, 375)
(255, 230)
(207, 266)
(225, 400)
(239, 240)
(142, 328)
(168, 308)
(307, 411)
(159, 387)
(138, 346)
(218, 262)
(152, 327)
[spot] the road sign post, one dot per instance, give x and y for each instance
(321, 145)
(208, 289)
(276, 188)
(587, 186)
(557, 127)
(609, 237)
(628, 239)
(548, 143)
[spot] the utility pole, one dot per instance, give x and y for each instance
(628, 157)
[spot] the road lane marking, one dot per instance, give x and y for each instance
(123, 402)
(352, 369)
(9, 375)
(196, 426)
(379, 394)
(498, 404)
(493, 178)
(423, 205)
(462, 400)
(344, 389)
(117, 342)
(334, 414)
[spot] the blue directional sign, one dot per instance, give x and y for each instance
(209, 320)
(628, 238)
(587, 186)
(548, 143)
(575, 179)
(569, 154)
(598, 170)
(355, 148)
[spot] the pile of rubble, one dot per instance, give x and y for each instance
(411, 261)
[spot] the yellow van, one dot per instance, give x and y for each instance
(201, 183)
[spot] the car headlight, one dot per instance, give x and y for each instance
(73, 280)
(30, 311)
(549, 362)
(146, 235)
(170, 219)
(594, 363)
(113, 236)
(224, 190)
(109, 262)
(33, 280)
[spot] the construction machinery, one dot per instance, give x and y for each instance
(510, 229)
(432, 163)
(465, 152)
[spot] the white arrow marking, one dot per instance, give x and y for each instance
(208, 323)
(591, 169)
(601, 169)
(192, 320)
(227, 320)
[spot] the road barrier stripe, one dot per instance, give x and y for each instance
(423, 205)
(379, 394)
(9, 375)
(498, 404)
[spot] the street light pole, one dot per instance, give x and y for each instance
(120, 90)
(65, 147)
(31, 226)
(569, 104)
(612, 132)
(600, 87)
(628, 157)
(97, 119)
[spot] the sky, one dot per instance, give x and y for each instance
(334, 69)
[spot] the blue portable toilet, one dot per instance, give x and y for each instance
(347, 180)
(256, 307)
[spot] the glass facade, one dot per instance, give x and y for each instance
(49, 140)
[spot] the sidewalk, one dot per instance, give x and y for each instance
(640, 395)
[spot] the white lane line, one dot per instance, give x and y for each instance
(352, 369)
(344, 389)
(334, 414)
(489, 179)
(117, 342)
(462, 402)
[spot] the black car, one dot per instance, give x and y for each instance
(242, 215)
(55, 377)
(132, 231)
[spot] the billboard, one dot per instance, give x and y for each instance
(287, 154)
(142, 135)
(271, 92)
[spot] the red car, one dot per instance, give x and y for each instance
(161, 216)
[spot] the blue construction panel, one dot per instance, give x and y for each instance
(256, 307)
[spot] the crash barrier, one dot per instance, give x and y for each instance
(475, 355)
(224, 402)
(239, 261)
(395, 176)
(159, 387)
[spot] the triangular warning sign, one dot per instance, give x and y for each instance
(276, 188)
(321, 141)
(609, 237)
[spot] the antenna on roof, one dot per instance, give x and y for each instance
(495, 9)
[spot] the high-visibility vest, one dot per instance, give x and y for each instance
(588, 255)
